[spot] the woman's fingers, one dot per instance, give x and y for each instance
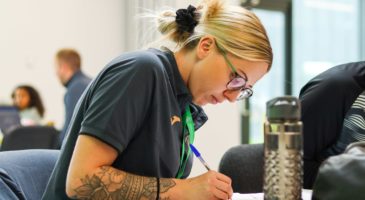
(223, 186)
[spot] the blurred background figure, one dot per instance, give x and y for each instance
(29, 103)
(68, 70)
(333, 115)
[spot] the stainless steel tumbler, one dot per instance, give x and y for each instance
(283, 149)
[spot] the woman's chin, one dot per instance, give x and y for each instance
(200, 101)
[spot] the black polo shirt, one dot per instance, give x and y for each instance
(135, 105)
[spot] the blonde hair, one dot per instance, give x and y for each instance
(236, 30)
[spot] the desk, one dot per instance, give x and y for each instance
(306, 195)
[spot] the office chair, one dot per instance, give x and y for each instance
(24, 174)
(244, 164)
(30, 137)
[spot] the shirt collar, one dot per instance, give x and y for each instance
(73, 78)
(175, 77)
(182, 92)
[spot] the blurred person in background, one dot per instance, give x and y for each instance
(29, 103)
(68, 70)
(333, 114)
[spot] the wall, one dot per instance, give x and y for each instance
(32, 31)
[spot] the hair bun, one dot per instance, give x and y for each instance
(186, 19)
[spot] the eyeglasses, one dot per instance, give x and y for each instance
(237, 82)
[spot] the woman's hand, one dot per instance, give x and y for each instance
(209, 186)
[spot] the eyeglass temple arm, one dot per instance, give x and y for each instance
(225, 57)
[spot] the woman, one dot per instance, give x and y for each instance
(29, 103)
(129, 137)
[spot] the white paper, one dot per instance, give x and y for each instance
(252, 196)
(306, 195)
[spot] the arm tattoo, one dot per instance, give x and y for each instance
(111, 184)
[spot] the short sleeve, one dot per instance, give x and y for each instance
(119, 102)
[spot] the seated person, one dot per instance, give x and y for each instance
(29, 103)
(332, 114)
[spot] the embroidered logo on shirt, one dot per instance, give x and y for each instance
(175, 119)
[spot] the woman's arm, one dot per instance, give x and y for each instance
(90, 176)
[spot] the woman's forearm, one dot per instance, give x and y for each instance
(109, 183)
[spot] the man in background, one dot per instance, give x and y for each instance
(68, 70)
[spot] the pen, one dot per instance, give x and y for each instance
(197, 154)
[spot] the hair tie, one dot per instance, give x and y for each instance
(185, 19)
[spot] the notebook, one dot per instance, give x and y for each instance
(306, 195)
(9, 118)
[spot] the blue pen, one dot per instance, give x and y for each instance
(197, 154)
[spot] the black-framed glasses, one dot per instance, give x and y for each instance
(237, 82)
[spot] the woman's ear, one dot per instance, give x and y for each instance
(205, 46)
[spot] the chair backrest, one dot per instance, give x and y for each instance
(30, 137)
(24, 174)
(244, 164)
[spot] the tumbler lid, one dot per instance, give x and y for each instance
(283, 108)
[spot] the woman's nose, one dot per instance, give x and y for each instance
(231, 95)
